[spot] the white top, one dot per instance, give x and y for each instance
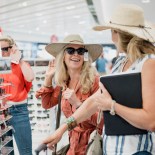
(130, 144)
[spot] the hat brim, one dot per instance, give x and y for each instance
(147, 33)
(94, 50)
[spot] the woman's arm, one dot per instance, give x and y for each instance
(27, 71)
(143, 118)
(88, 108)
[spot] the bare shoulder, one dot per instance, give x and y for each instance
(148, 72)
(149, 65)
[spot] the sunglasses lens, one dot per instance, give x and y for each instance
(70, 50)
(81, 51)
(5, 49)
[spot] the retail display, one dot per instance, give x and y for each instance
(6, 140)
(39, 117)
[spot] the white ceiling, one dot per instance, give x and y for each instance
(37, 20)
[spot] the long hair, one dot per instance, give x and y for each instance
(87, 75)
(134, 46)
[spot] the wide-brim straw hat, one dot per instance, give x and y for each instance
(94, 50)
(7, 38)
(130, 18)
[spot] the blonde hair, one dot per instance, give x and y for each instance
(8, 39)
(134, 46)
(87, 75)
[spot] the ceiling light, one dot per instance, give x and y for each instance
(145, 1)
(38, 14)
(66, 33)
(29, 32)
(45, 21)
(24, 4)
(76, 16)
(82, 22)
(21, 25)
(37, 29)
(70, 7)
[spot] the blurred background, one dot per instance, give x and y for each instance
(35, 23)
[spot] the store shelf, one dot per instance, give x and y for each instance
(2, 132)
(6, 150)
(6, 141)
(4, 96)
(5, 119)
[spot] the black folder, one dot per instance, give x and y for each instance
(126, 90)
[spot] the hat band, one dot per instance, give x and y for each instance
(139, 26)
(76, 41)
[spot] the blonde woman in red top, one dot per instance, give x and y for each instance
(21, 78)
(78, 79)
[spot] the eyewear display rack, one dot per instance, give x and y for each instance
(6, 139)
(39, 117)
(42, 121)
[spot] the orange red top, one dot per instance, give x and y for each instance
(20, 87)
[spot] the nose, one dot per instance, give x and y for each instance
(75, 52)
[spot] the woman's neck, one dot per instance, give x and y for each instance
(74, 79)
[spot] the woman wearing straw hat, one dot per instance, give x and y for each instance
(78, 79)
(135, 37)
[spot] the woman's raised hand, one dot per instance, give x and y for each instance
(51, 68)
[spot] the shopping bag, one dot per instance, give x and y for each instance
(95, 140)
(94, 144)
(62, 151)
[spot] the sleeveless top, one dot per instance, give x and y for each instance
(129, 144)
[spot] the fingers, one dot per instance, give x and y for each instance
(14, 49)
(51, 147)
(103, 89)
(52, 63)
(68, 93)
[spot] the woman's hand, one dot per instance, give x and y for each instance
(49, 73)
(103, 98)
(51, 68)
(53, 139)
(15, 55)
(70, 95)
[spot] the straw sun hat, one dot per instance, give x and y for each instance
(94, 50)
(130, 18)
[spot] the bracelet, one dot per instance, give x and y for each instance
(48, 86)
(71, 123)
(112, 110)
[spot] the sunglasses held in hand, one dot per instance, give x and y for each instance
(79, 51)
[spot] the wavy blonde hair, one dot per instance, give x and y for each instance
(134, 46)
(87, 75)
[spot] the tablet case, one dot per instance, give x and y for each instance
(125, 89)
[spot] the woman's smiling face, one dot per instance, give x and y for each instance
(75, 60)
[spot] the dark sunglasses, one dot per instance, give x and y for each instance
(5, 49)
(71, 51)
(40, 78)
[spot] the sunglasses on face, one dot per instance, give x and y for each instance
(5, 49)
(71, 50)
